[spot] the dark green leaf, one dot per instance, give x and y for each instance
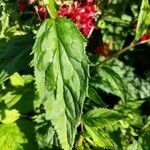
(144, 141)
(102, 117)
(45, 134)
(27, 128)
(111, 82)
(92, 94)
(15, 56)
(61, 72)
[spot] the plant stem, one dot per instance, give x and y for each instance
(50, 6)
(79, 142)
(120, 52)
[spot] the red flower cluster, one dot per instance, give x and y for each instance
(22, 5)
(83, 14)
(40, 10)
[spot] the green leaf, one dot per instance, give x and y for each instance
(99, 137)
(92, 94)
(143, 19)
(111, 82)
(11, 137)
(4, 21)
(9, 116)
(21, 97)
(45, 134)
(61, 72)
(16, 80)
(82, 144)
(144, 141)
(114, 22)
(102, 117)
(9, 99)
(15, 55)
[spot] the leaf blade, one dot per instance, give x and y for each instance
(143, 19)
(61, 71)
(102, 117)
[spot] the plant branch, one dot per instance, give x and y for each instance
(50, 6)
(121, 51)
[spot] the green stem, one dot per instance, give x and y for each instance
(50, 6)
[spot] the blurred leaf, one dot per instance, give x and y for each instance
(144, 141)
(11, 137)
(27, 100)
(16, 80)
(15, 56)
(27, 127)
(4, 20)
(22, 98)
(143, 19)
(9, 116)
(137, 87)
(115, 22)
(134, 146)
(82, 144)
(147, 125)
(9, 99)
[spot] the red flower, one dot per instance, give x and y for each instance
(22, 5)
(83, 14)
(42, 12)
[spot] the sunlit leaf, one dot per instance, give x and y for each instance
(143, 19)
(11, 137)
(61, 72)
(9, 116)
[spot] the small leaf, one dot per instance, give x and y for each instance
(92, 94)
(143, 19)
(9, 116)
(10, 99)
(4, 20)
(16, 80)
(61, 72)
(99, 137)
(111, 82)
(11, 137)
(102, 117)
